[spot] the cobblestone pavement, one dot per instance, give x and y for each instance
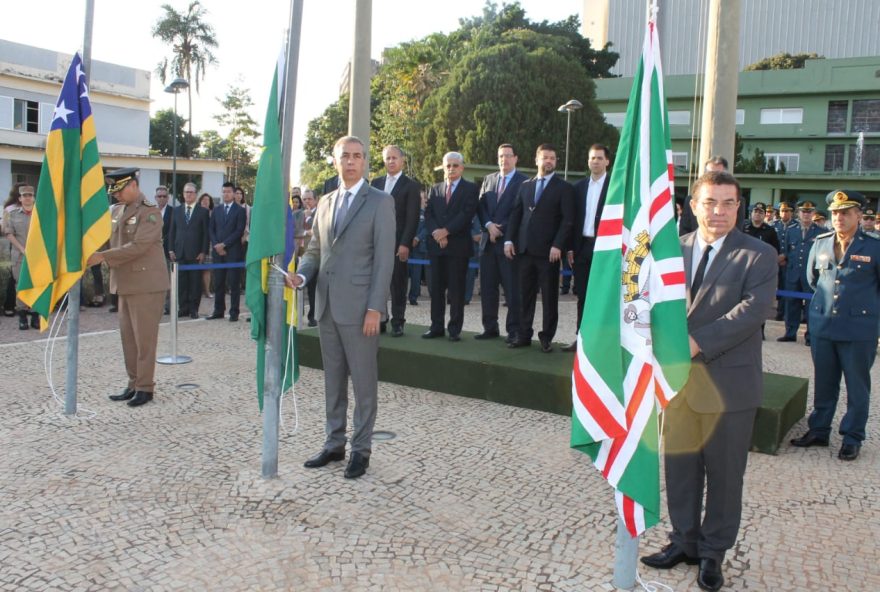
(470, 495)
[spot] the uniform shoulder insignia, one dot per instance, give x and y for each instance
(825, 234)
(149, 203)
(871, 235)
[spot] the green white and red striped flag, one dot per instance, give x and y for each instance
(633, 354)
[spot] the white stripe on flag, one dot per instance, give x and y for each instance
(640, 420)
(606, 396)
(638, 511)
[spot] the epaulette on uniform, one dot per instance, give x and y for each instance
(150, 204)
(825, 234)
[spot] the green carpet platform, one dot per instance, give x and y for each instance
(526, 377)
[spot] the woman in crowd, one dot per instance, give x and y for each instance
(207, 202)
(11, 204)
(15, 226)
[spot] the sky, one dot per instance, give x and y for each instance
(250, 35)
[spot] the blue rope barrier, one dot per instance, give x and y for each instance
(195, 266)
(791, 294)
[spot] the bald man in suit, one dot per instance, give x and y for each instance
(731, 284)
(351, 257)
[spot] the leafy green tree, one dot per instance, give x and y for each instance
(321, 133)
(191, 39)
(241, 138)
(784, 61)
(162, 134)
(510, 92)
(213, 145)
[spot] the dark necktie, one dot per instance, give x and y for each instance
(701, 271)
(341, 211)
(448, 193)
(539, 190)
(227, 211)
(188, 213)
(501, 181)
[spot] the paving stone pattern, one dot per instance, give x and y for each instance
(470, 495)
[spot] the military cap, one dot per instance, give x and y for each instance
(806, 205)
(842, 200)
(819, 216)
(760, 206)
(869, 213)
(784, 207)
(772, 208)
(118, 179)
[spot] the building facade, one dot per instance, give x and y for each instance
(819, 126)
(30, 81)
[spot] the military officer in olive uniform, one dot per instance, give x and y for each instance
(798, 241)
(844, 269)
(138, 275)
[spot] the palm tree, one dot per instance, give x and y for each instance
(191, 40)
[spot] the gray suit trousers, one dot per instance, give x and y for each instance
(705, 449)
(346, 351)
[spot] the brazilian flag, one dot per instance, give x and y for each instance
(71, 218)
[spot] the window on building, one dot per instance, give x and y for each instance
(783, 161)
(679, 118)
(837, 112)
(6, 112)
(870, 158)
(866, 116)
(680, 160)
(26, 116)
(777, 116)
(740, 116)
(615, 119)
(833, 158)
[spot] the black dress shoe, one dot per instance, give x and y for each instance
(214, 315)
(455, 337)
(517, 343)
(668, 557)
(233, 318)
(786, 338)
(431, 334)
(183, 312)
(357, 465)
(546, 346)
(413, 302)
(323, 458)
(140, 398)
(510, 338)
(383, 327)
(396, 331)
(113, 309)
(571, 347)
(123, 396)
(487, 335)
(809, 439)
(848, 452)
(193, 315)
(710, 577)
(313, 323)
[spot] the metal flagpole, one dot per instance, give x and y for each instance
(626, 554)
(73, 296)
(275, 330)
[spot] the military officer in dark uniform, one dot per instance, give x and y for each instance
(755, 226)
(138, 275)
(781, 226)
(869, 222)
(844, 269)
(798, 241)
(820, 219)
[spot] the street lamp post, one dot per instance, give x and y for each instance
(572, 105)
(177, 85)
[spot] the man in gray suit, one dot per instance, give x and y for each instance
(351, 257)
(731, 283)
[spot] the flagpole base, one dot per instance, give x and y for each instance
(626, 555)
(167, 360)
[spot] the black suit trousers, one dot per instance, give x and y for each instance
(222, 277)
(708, 449)
(537, 273)
(189, 288)
(497, 269)
(583, 260)
(398, 292)
(447, 279)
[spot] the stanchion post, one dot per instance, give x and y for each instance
(172, 305)
(272, 383)
(626, 555)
